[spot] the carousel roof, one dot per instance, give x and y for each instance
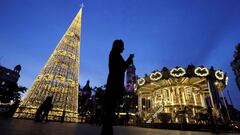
(178, 76)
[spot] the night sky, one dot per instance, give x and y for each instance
(159, 32)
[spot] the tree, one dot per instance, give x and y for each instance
(12, 93)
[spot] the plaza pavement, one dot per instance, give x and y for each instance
(30, 127)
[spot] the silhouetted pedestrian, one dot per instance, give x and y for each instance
(47, 106)
(63, 116)
(211, 120)
(115, 85)
(127, 117)
(39, 112)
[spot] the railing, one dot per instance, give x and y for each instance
(155, 114)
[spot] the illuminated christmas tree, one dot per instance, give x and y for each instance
(58, 78)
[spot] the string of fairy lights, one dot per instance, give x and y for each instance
(180, 72)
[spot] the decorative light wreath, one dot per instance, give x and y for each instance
(155, 76)
(177, 72)
(141, 81)
(181, 72)
(201, 71)
(219, 75)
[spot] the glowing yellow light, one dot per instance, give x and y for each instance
(219, 75)
(71, 55)
(39, 77)
(70, 34)
(48, 77)
(62, 52)
(177, 72)
(141, 81)
(201, 71)
(71, 82)
(155, 76)
(173, 94)
(60, 78)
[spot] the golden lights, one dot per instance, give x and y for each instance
(201, 71)
(219, 75)
(177, 72)
(155, 76)
(141, 81)
(181, 72)
(58, 78)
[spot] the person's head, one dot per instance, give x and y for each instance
(118, 46)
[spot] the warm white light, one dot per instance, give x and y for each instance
(155, 76)
(177, 72)
(226, 81)
(201, 71)
(141, 81)
(219, 75)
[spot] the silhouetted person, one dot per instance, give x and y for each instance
(39, 113)
(40, 110)
(47, 106)
(211, 120)
(127, 117)
(63, 116)
(115, 85)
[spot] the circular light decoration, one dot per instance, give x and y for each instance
(155, 76)
(201, 71)
(226, 81)
(141, 81)
(219, 75)
(177, 72)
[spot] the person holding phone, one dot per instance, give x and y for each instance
(115, 85)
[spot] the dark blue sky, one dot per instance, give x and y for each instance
(159, 32)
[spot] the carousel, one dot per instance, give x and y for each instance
(180, 95)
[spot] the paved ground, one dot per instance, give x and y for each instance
(29, 127)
